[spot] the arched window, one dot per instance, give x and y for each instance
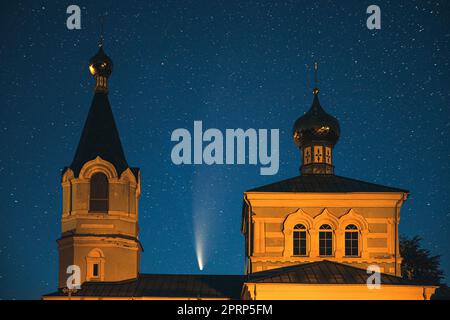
(351, 241)
(299, 239)
(98, 201)
(325, 240)
(95, 268)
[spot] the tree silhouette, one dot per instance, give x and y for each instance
(418, 264)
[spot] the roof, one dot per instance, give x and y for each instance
(100, 137)
(324, 183)
(321, 272)
(307, 126)
(228, 286)
(166, 285)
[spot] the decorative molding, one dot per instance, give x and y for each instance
(96, 226)
(128, 177)
(296, 217)
(338, 228)
(98, 165)
(352, 217)
(326, 217)
(67, 176)
(95, 256)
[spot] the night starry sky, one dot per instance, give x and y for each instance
(231, 65)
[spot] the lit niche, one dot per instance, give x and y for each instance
(328, 155)
(307, 155)
(318, 154)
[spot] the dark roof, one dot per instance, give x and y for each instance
(307, 125)
(166, 285)
(324, 183)
(321, 272)
(229, 286)
(100, 137)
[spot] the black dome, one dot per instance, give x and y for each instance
(101, 64)
(316, 125)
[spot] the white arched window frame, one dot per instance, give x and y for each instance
(296, 218)
(95, 265)
(325, 218)
(353, 218)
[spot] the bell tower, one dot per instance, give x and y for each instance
(101, 191)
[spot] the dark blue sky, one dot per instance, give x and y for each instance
(231, 65)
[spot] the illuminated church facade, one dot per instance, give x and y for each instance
(309, 237)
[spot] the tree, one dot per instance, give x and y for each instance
(418, 264)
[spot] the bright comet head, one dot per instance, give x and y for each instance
(199, 249)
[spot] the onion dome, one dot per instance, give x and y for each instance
(316, 124)
(101, 64)
(315, 134)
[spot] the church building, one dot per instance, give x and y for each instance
(314, 236)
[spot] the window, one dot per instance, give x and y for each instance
(328, 155)
(351, 241)
(95, 270)
(318, 154)
(98, 201)
(325, 240)
(307, 155)
(95, 265)
(299, 240)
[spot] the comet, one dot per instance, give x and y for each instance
(200, 237)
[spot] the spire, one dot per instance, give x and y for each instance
(315, 133)
(316, 89)
(100, 136)
(102, 23)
